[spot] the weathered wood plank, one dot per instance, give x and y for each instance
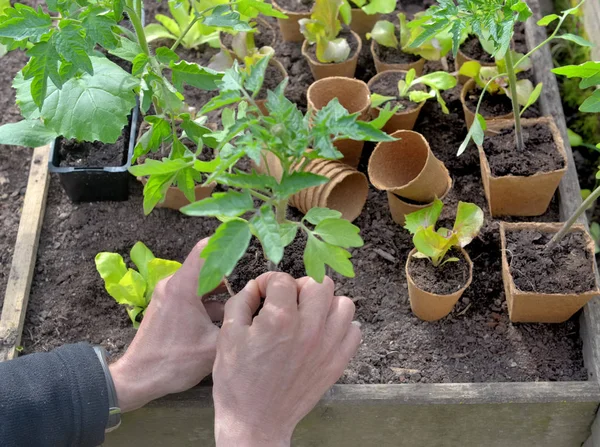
(569, 191)
(24, 255)
(591, 20)
(467, 415)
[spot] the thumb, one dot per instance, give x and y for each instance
(184, 283)
(240, 308)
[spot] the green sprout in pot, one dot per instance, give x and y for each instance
(435, 244)
(410, 88)
(129, 287)
(370, 7)
(256, 204)
(495, 21)
(243, 49)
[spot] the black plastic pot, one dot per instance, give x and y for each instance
(95, 184)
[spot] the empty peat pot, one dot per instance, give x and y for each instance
(510, 194)
(290, 29)
(345, 69)
(403, 119)
(430, 306)
(354, 96)
(493, 122)
(381, 65)
(523, 247)
(408, 168)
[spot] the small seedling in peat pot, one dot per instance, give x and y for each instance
(435, 286)
(129, 287)
(256, 204)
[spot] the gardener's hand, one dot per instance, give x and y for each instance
(175, 346)
(271, 371)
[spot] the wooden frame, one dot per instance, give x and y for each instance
(528, 414)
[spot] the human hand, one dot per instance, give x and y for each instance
(175, 346)
(270, 371)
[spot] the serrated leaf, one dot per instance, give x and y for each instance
(194, 75)
(231, 204)
(99, 28)
(245, 180)
(339, 232)
(26, 133)
(42, 65)
(24, 22)
(139, 63)
(287, 232)
(126, 49)
(223, 251)
(222, 16)
(469, 220)
(317, 254)
(317, 215)
(255, 79)
(141, 256)
(155, 190)
(297, 181)
(576, 39)
(71, 45)
(267, 230)
(224, 98)
(166, 55)
(424, 218)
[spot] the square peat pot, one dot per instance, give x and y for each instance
(95, 184)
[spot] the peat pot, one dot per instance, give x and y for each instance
(97, 183)
(492, 122)
(290, 29)
(381, 66)
(513, 195)
(344, 69)
(544, 306)
(401, 207)
(430, 306)
(362, 23)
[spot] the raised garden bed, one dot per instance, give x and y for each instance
(470, 379)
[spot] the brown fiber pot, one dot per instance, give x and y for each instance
(513, 195)
(381, 66)
(430, 306)
(531, 307)
(175, 199)
(408, 168)
(461, 58)
(354, 96)
(492, 123)
(290, 29)
(344, 69)
(362, 23)
(400, 208)
(402, 120)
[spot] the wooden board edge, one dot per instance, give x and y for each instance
(591, 20)
(569, 190)
(18, 286)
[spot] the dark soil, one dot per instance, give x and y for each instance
(388, 86)
(441, 280)
(296, 5)
(93, 155)
(473, 49)
(567, 268)
(345, 34)
(393, 55)
(492, 106)
(273, 77)
(411, 7)
(540, 154)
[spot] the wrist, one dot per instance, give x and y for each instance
(234, 434)
(133, 390)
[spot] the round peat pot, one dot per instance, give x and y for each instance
(403, 119)
(362, 23)
(522, 195)
(290, 29)
(175, 199)
(344, 69)
(381, 66)
(354, 96)
(400, 208)
(431, 306)
(408, 168)
(540, 306)
(97, 183)
(492, 122)
(461, 58)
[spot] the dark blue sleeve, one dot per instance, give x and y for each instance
(56, 399)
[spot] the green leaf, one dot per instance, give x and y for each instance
(130, 290)
(317, 215)
(433, 245)
(420, 96)
(476, 132)
(245, 180)
(256, 77)
(384, 115)
(424, 218)
(155, 31)
(166, 55)
(42, 65)
(155, 190)
(110, 266)
(139, 63)
(575, 140)
(317, 254)
(384, 33)
(251, 8)
(297, 181)
(469, 220)
(231, 204)
(547, 20)
(339, 232)
(222, 16)
(439, 80)
(379, 7)
(126, 49)
(523, 11)
(287, 232)
(158, 269)
(575, 38)
(133, 313)
(533, 97)
(586, 70)
(194, 75)
(224, 249)
(267, 230)
(592, 104)
(224, 98)
(26, 133)
(156, 167)
(377, 99)
(470, 69)
(99, 28)
(71, 45)
(24, 22)
(141, 256)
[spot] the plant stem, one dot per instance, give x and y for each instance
(281, 210)
(182, 35)
(136, 21)
(569, 223)
(512, 83)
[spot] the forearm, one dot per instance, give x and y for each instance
(59, 397)
(230, 432)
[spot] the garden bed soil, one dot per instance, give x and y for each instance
(540, 155)
(344, 34)
(388, 86)
(567, 268)
(393, 55)
(473, 49)
(442, 280)
(95, 154)
(273, 77)
(296, 5)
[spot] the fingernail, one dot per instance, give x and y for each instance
(357, 323)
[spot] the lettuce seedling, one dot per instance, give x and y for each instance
(129, 287)
(256, 204)
(437, 82)
(370, 7)
(434, 245)
(243, 49)
(323, 28)
(494, 21)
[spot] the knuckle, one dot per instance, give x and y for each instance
(281, 319)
